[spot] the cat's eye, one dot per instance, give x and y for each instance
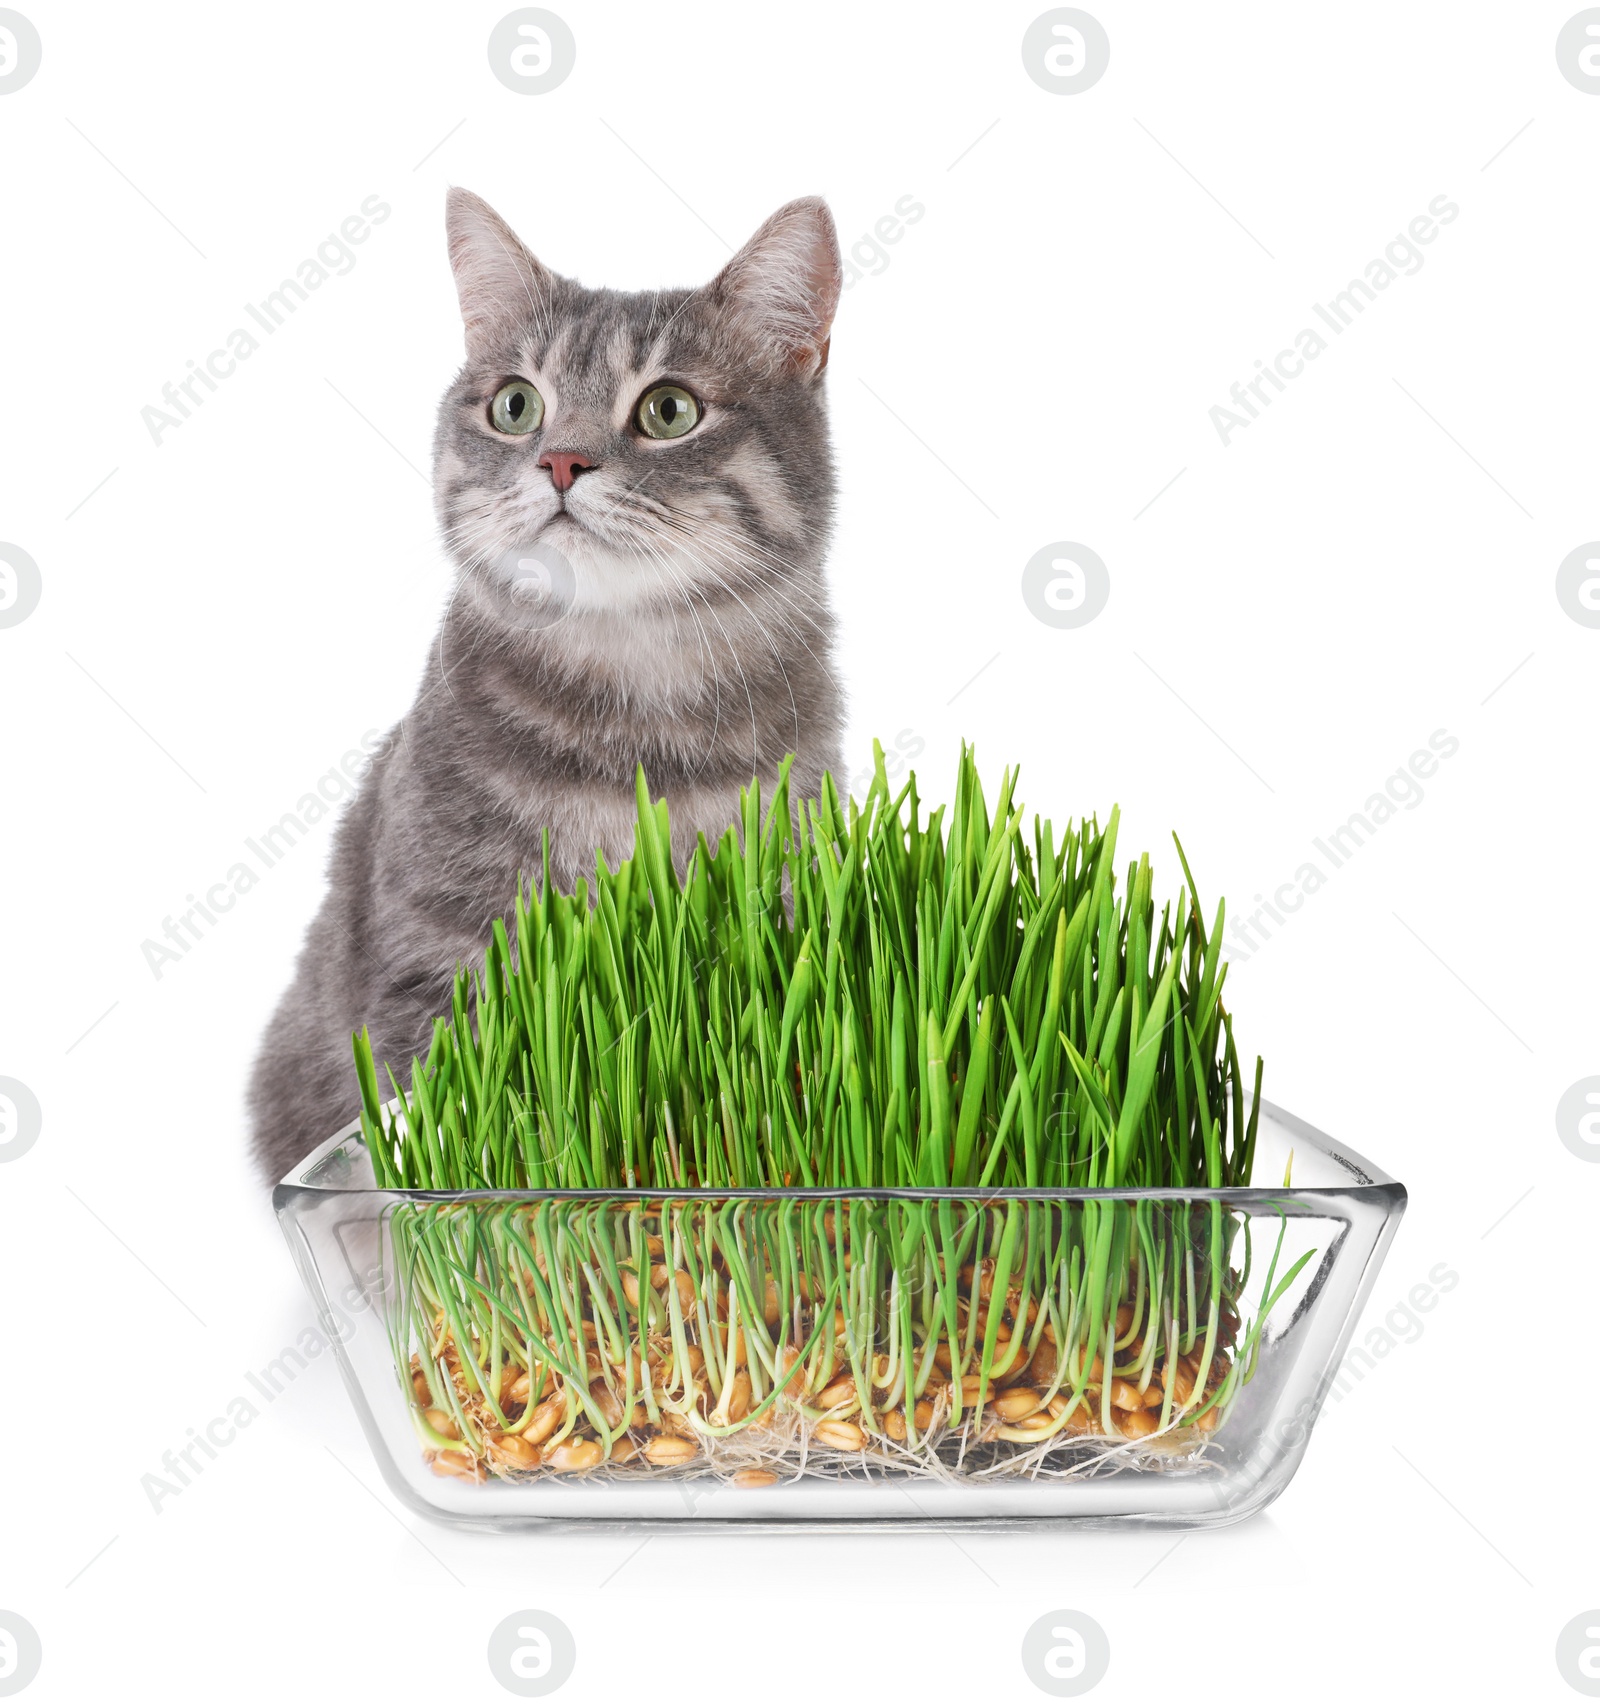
(667, 412)
(517, 408)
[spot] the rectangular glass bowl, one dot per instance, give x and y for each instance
(842, 1357)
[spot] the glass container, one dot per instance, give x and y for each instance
(1102, 1358)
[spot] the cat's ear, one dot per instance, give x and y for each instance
(781, 291)
(501, 284)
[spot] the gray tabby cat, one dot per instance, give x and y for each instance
(637, 490)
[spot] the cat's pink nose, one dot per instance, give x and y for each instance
(564, 466)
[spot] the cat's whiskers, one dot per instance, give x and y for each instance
(733, 652)
(750, 551)
(732, 554)
(759, 626)
(784, 593)
(776, 655)
(663, 560)
(707, 652)
(764, 556)
(694, 548)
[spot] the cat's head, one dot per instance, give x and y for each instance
(609, 451)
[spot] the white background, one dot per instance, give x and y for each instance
(1290, 618)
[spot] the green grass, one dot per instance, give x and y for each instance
(839, 996)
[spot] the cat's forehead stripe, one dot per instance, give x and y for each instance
(601, 336)
(591, 341)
